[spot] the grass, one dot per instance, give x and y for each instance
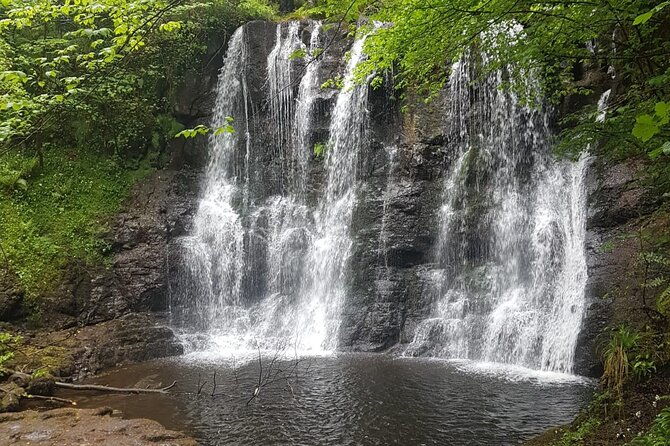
(581, 432)
(52, 216)
(615, 357)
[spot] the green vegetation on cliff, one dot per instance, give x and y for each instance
(622, 42)
(87, 90)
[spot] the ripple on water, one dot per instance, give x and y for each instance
(352, 399)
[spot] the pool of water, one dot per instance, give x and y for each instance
(346, 399)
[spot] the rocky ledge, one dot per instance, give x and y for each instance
(75, 353)
(102, 426)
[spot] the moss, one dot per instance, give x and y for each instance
(43, 361)
(61, 215)
(577, 434)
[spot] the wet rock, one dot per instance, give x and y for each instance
(618, 205)
(11, 302)
(158, 210)
(41, 386)
(10, 397)
(131, 338)
(81, 426)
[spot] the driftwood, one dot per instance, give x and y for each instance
(52, 398)
(25, 378)
(98, 388)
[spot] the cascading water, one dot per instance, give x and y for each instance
(267, 264)
(511, 269)
(392, 159)
(268, 272)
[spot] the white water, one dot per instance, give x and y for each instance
(269, 273)
(383, 250)
(511, 267)
(267, 263)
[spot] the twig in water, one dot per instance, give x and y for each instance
(98, 388)
(52, 398)
(214, 387)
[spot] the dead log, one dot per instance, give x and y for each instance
(99, 388)
(24, 378)
(51, 398)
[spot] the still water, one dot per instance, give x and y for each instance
(347, 399)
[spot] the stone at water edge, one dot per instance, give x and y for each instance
(84, 426)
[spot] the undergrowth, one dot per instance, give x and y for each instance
(658, 434)
(53, 215)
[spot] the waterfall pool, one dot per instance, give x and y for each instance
(347, 399)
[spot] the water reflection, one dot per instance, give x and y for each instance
(351, 400)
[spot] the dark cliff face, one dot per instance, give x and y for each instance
(395, 224)
(401, 177)
(398, 202)
(619, 206)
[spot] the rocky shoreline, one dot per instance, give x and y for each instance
(69, 426)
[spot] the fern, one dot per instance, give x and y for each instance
(659, 434)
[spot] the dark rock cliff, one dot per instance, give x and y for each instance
(398, 202)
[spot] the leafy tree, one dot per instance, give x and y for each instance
(549, 40)
(87, 90)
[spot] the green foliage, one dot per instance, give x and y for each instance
(336, 82)
(658, 266)
(659, 434)
(644, 18)
(643, 366)
(102, 60)
(61, 215)
(204, 130)
(297, 54)
(7, 345)
(615, 354)
(576, 436)
(319, 149)
(608, 246)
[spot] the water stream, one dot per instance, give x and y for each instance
(511, 267)
(264, 280)
(270, 260)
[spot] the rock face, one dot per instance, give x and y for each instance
(84, 426)
(402, 177)
(11, 301)
(395, 224)
(619, 206)
(157, 210)
(403, 195)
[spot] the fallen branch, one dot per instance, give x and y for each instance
(99, 388)
(52, 398)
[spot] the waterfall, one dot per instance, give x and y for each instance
(269, 262)
(209, 284)
(382, 252)
(329, 253)
(269, 271)
(510, 272)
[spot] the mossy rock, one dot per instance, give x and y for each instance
(10, 397)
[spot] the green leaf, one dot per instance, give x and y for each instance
(643, 18)
(297, 54)
(21, 184)
(662, 110)
(645, 128)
